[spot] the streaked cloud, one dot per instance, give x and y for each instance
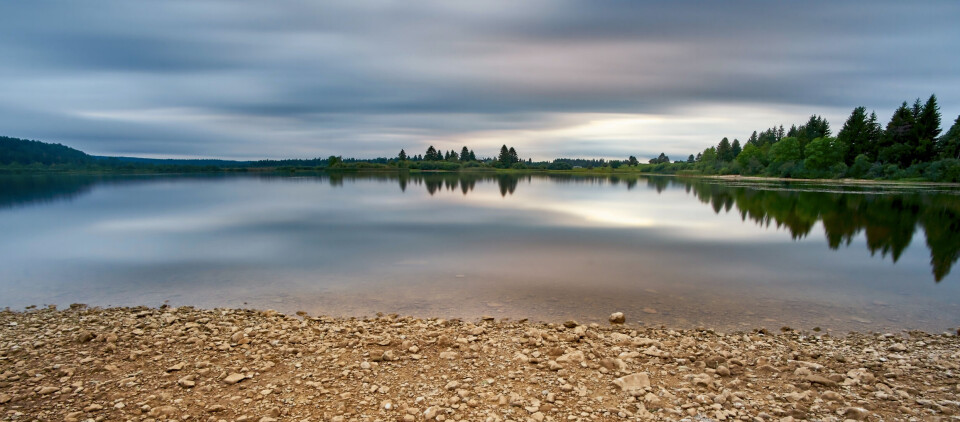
(246, 79)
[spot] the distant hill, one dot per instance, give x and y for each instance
(23, 151)
(173, 161)
(27, 152)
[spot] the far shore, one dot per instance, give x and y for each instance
(475, 171)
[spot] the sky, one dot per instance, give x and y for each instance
(358, 78)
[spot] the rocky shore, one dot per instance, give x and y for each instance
(159, 364)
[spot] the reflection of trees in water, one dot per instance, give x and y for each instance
(26, 190)
(888, 221)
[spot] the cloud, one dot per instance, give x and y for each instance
(245, 79)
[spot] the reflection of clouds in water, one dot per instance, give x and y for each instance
(554, 248)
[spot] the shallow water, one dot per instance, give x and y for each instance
(677, 252)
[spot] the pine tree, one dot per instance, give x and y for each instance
(402, 156)
(514, 158)
(928, 129)
(859, 135)
(899, 140)
(949, 144)
(691, 160)
(724, 151)
(465, 154)
(735, 149)
(473, 157)
(504, 157)
(753, 139)
(432, 154)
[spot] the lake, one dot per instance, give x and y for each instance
(667, 251)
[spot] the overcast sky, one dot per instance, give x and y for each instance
(299, 79)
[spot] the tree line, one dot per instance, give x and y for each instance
(910, 145)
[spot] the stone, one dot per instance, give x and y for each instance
(48, 390)
(818, 379)
(633, 382)
(723, 371)
(448, 355)
(234, 378)
(576, 356)
(570, 324)
(85, 336)
(163, 411)
(613, 364)
(856, 413)
(176, 367)
(652, 401)
(617, 318)
(5, 398)
(831, 396)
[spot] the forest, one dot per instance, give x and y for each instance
(910, 146)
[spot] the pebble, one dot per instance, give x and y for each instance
(324, 369)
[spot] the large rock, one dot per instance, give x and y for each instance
(617, 318)
(633, 382)
(234, 378)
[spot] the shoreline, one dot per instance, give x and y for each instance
(245, 365)
(843, 182)
(474, 171)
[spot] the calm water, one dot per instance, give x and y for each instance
(663, 250)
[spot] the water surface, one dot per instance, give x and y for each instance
(678, 252)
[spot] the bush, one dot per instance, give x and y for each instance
(838, 170)
(519, 166)
(891, 171)
(560, 165)
(439, 165)
(947, 170)
(861, 166)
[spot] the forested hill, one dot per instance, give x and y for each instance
(23, 151)
(175, 161)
